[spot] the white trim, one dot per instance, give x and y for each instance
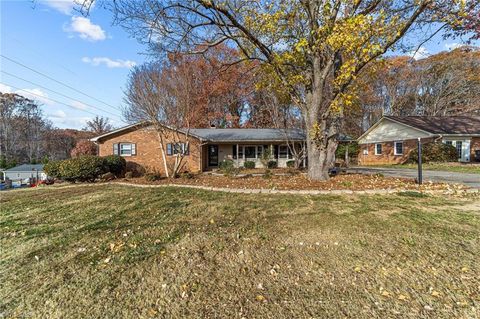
(376, 150)
(395, 148)
(392, 120)
(414, 127)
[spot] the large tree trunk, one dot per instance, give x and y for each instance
(321, 147)
(322, 131)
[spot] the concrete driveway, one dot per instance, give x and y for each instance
(471, 180)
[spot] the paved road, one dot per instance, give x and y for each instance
(471, 180)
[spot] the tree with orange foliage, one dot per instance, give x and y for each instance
(84, 147)
(443, 84)
(216, 91)
(188, 91)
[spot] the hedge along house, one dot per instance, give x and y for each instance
(392, 138)
(205, 150)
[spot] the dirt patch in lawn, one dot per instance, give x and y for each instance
(355, 182)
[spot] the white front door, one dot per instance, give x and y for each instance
(466, 151)
(463, 150)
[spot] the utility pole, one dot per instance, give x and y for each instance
(420, 177)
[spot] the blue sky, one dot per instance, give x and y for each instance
(85, 53)
(88, 54)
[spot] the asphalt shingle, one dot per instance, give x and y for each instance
(442, 124)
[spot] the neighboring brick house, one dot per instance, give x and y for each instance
(392, 138)
(139, 144)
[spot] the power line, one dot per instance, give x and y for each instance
(50, 99)
(59, 82)
(33, 50)
(61, 94)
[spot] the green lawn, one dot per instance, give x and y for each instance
(111, 251)
(455, 167)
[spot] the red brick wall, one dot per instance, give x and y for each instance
(387, 156)
(148, 154)
(474, 146)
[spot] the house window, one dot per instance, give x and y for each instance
(378, 149)
(250, 151)
(177, 148)
(283, 151)
(240, 152)
(449, 143)
(124, 149)
(398, 148)
(259, 151)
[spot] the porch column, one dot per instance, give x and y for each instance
(238, 159)
(346, 155)
(304, 152)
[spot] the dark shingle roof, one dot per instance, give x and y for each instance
(246, 134)
(442, 124)
(26, 168)
(231, 135)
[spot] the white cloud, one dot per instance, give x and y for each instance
(5, 88)
(59, 114)
(35, 94)
(69, 122)
(419, 54)
(63, 6)
(96, 61)
(78, 105)
(453, 46)
(86, 29)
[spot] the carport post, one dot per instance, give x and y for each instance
(238, 159)
(420, 177)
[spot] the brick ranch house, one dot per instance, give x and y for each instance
(138, 143)
(392, 138)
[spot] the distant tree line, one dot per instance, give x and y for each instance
(27, 136)
(443, 84)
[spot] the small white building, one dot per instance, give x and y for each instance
(25, 171)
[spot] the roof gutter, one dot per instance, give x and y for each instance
(439, 137)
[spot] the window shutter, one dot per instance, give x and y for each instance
(134, 149)
(116, 150)
(169, 149)
(186, 148)
(234, 151)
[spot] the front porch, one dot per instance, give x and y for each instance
(214, 154)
